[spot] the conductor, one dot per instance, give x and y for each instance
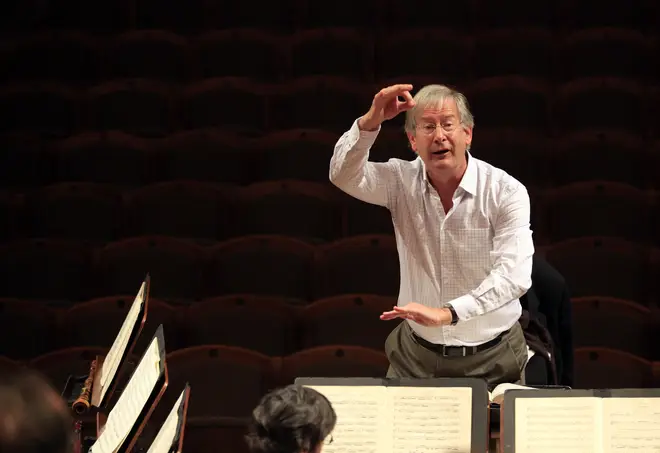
(463, 235)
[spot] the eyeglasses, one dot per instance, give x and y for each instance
(431, 128)
(328, 440)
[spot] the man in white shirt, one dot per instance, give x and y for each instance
(463, 234)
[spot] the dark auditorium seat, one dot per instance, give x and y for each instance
(78, 210)
(588, 209)
(497, 51)
(333, 361)
(265, 324)
(220, 53)
(184, 209)
(302, 209)
(176, 267)
(598, 368)
(46, 269)
(301, 154)
(27, 329)
(152, 54)
(332, 51)
(351, 319)
(263, 264)
(58, 365)
(137, 106)
(229, 381)
(585, 103)
(595, 156)
(111, 157)
(206, 155)
(360, 264)
(98, 322)
(617, 324)
(603, 266)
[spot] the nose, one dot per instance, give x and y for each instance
(440, 134)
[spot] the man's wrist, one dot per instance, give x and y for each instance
(366, 124)
(444, 317)
(453, 316)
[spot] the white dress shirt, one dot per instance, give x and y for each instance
(477, 257)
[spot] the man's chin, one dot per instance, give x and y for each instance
(441, 161)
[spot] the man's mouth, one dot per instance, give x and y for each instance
(440, 152)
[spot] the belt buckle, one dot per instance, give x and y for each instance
(446, 348)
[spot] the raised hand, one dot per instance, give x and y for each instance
(386, 105)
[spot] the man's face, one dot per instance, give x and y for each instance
(439, 138)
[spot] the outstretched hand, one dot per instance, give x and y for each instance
(386, 105)
(421, 314)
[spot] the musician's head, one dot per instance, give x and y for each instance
(293, 419)
(33, 416)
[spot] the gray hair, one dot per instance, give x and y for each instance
(434, 96)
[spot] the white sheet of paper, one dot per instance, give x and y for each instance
(552, 425)
(377, 419)
(431, 419)
(112, 359)
(124, 414)
(167, 433)
(362, 425)
(631, 425)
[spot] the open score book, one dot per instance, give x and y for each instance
(581, 421)
(136, 402)
(169, 436)
(406, 415)
(120, 347)
(497, 395)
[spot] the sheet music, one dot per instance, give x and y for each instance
(123, 416)
(362, 418)
(631, 425)
(551, 425)
(167, 433)
(497, 395)
(431, 419)
(113, 358)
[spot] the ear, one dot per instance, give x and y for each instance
(412, 140)
(468, 135)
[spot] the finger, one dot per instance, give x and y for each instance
(396, 90)
(407, 103)
(386, 316)
(407, 97)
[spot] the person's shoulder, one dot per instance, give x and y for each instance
(407, 169)
(493, 176)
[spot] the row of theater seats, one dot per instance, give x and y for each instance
(313, 211)
(68, 270)
(230, 380)
(277, 326)
(194, 15)
(168, 56)
(151, 108)
(226, 156)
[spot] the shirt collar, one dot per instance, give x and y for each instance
(468, 181)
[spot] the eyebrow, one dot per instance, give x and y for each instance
(442, 118)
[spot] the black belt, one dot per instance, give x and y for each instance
(458, 351)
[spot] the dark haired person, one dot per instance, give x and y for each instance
(33, 416)
(292, 419)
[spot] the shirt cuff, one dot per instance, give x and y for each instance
(466, 307)
(366, 138)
